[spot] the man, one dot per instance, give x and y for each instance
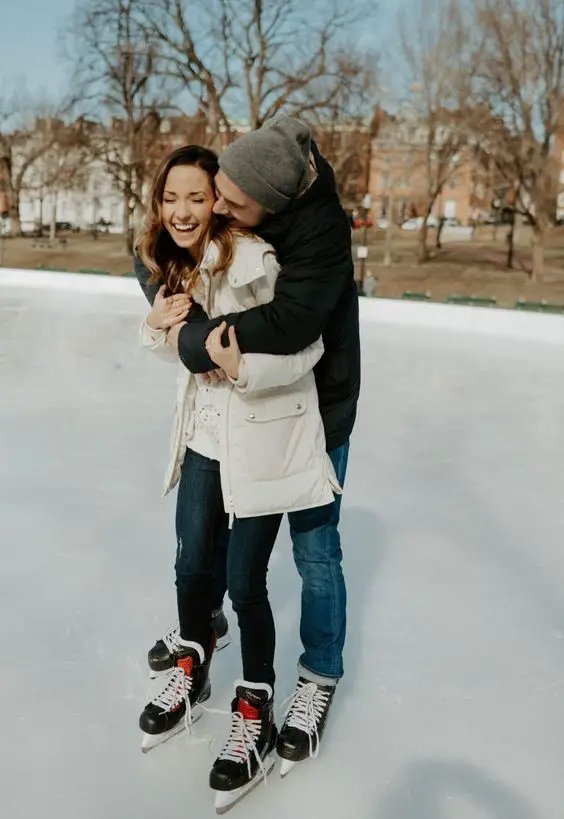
(276, 182)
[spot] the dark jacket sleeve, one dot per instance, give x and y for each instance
(143, 276)
(197, 314)
(314, 275)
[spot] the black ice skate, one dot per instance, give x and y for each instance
(162, 656)
(304, 723)
(178, 705)
(246, 759)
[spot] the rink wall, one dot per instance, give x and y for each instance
(458, 318)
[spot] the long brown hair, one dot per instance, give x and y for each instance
(168, 263)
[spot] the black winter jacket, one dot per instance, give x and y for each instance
(315, 295)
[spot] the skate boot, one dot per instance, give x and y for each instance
(178, 705)
(162, 656)
(246, 759)
(304, 723)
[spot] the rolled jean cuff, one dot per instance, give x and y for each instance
(319, 679)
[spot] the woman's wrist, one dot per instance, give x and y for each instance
(152, 323)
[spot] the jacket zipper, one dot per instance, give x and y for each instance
(227, 469)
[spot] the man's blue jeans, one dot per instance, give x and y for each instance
(318, 556)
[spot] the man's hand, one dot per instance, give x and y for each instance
(228, 358)
(168, 312)
(213, 376)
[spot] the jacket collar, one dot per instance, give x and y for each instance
(248, 260)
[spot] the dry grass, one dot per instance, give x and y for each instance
(81, 252)
(472, 268)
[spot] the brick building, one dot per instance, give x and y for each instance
(558, 158)
(398, 175)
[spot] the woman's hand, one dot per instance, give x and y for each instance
(226, 358)
(166, 312)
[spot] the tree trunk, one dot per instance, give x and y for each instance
(53, 226)
(389, 233)
(423, 250)
(439, 232)
(41, 201)
(538, 254)
(15, 221)
(511, 243)
(128, 227)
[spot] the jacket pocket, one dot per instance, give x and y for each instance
(276, 408)
(276, 436)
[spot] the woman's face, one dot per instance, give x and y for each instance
(187, 205)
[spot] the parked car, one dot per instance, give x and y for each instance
(61, 227)
(101, 226)
(416, 223)
(360, 223)
(30, 227)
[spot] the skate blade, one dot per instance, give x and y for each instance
(151, 741)
(286, 767)
(225, 800)
(223, 642)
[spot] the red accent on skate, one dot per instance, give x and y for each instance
(186, 664)
(247, 710)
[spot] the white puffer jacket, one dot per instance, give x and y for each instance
(272, 443)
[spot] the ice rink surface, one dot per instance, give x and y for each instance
(452, 706)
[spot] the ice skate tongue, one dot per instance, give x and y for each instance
(249, 702)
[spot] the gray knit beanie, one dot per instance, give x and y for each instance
(270, 164)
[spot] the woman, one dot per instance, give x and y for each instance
(246, 449)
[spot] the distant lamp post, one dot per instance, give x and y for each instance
(4, 216)
(362, 251)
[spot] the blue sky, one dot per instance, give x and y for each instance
(30, 47)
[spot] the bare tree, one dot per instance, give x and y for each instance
(243, 61)
(28, 130)
(63, 167)
(440, 65)
(122, 98)
(521, 83)
(344, 129)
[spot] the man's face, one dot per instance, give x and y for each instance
(236, 205)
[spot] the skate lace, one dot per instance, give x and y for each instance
(241, 743)
(177, 688)
(305, 710)
(171, 638)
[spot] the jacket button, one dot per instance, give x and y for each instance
(252, 416)
(298, 406)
